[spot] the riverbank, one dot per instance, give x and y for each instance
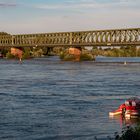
(93, 53)
(85, 54)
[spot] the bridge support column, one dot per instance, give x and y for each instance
(76, 52)
(17, 52)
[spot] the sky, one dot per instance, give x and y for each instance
(45, 16)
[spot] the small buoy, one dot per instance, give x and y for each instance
(20, 60)
(124, 62)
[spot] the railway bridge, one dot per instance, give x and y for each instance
(115, 37)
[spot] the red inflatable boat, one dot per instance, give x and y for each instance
(130, 109)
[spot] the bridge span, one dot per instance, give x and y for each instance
(116, 37)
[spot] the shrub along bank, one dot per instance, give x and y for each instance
(86, 55)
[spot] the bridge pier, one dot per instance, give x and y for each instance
(17, 52)
(76, 52)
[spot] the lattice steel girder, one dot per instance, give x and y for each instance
(117, 37)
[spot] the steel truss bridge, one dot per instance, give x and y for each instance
(117, 37)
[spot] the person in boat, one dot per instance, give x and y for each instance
(123, 111)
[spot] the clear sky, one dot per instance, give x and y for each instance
(33, 16)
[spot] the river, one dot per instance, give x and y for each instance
(48, 99)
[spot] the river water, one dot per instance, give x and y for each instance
(48, 99)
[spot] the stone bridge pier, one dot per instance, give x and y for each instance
(76, 51)
(16, 51)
